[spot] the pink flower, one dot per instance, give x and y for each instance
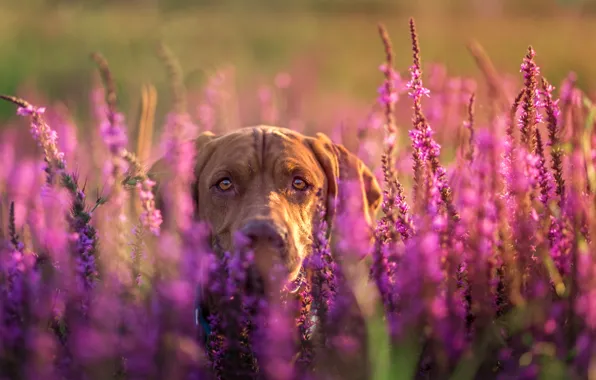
(415, 84)
(150, 216)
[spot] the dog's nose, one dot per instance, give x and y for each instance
(265, 231)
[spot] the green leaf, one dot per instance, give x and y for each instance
(379, 343)
(404, 358)
(391, 362)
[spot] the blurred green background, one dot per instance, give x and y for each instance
(45, 44)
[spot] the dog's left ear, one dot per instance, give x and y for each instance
(347, 176)
(160, 171)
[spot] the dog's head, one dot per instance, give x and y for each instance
(262, 182)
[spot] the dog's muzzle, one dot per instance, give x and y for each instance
(265, 231)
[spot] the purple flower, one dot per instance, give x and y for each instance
(417, 90)
(480, 220)
(350, 224)
(544, 176)
(425, 149)
(283, 80)
(417, 280)
(65, 128)
(114, 134)
(423, 142)
(206, 115)
(560, 244)
(150, 216)
(46, 138)
(323, 267)
(180, 154)
(389, 91)
(529, 116)
(274, 341)
(306, 325)
(553, 124)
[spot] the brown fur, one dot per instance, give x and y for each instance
(262, 162)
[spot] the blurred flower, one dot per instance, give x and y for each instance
(46, 138)
(283, 80)
(150, 216)
(390, 90)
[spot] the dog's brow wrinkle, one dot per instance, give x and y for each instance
(259, 141)
(291, 164)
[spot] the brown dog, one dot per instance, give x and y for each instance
(262, 181)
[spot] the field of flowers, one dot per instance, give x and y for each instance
(483, 263)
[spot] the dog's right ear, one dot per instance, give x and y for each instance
(344, 170)
(160, 171)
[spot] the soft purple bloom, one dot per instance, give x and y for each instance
(65, 128)
(417, 279)
(180, 155)
(206, 115)
(355, 230)
(112, 130)
(480, 220)
(13, 295)
(396, 85)
(275, 339)
(283, 80)
(150, 216)
(114, 134)
(26, 178)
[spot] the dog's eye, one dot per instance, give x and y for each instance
(299, 184)
(224, 185)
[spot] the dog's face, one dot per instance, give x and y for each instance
(262, 183)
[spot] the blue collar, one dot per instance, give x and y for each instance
(200, 320)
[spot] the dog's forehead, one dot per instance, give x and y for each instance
(258, 135)
(257, 146)
(234, 148)
(287, 148)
